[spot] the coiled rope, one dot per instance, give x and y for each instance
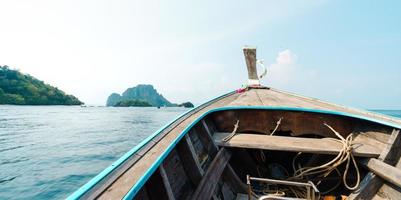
(345, 155)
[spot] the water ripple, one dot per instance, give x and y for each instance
(11, 148)
(7, 180)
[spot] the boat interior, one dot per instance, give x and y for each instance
(260, 143)
(275, 154)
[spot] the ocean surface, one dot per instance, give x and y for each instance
(47, 152)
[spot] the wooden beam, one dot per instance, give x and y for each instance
(250, 59)
(295, 144)
(205, 140)
(229, 172)
(166, 183)
(208, 132)
(189, 160)
(384, 171)
(372, 182)
(212, 176)
(392, 153)
(231, 176)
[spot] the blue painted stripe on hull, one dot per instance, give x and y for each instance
(139, 184)
(89, 185)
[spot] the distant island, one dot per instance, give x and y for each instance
(132, 103)
(17, 88)
(142, 96)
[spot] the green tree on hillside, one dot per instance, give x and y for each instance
(22, 89)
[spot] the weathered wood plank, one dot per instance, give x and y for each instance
(209, 181)
(250, 59)
(383, 170)
(180, 183)
(227, 192)
(207, 145)
(229, 172)
(101, 187)
(295, 144)
(232, 178)
(155, 188)
(201, 152)
(207, 128)
(274, 97)
(372, 182)
(189, 160)
(209, 134)
(392, 153)
(166, 183)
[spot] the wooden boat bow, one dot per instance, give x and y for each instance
(187, 158)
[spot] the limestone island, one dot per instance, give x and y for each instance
(17, 88)
(142, 96)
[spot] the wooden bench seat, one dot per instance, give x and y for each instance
(294, 144)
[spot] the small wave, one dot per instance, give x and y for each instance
(13, 161)
(11, 148)
(137, 121)
(108, 142)
(102, 157)
(7, 180)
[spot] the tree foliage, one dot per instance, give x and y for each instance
(132, 103)
(186, 105)
(22, 89)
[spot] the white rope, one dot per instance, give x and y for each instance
(228, 137)
(345, 155)
(277, 125)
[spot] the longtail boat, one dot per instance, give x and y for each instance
(260, 143)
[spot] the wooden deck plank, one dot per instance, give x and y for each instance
(296, 144)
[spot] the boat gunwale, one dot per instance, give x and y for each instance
(142, 180)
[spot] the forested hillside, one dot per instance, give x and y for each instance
(22, 89)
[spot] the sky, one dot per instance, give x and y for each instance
(347, 52)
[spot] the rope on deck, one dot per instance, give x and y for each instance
(345, 155)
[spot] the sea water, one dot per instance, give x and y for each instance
(47, 152)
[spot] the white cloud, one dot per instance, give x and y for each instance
(284, 69)
(286, 57)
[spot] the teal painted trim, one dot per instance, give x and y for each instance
(90, 184)
(138, 185)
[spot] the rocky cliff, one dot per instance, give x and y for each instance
(146, 93)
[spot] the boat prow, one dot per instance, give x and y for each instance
(260, 143)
